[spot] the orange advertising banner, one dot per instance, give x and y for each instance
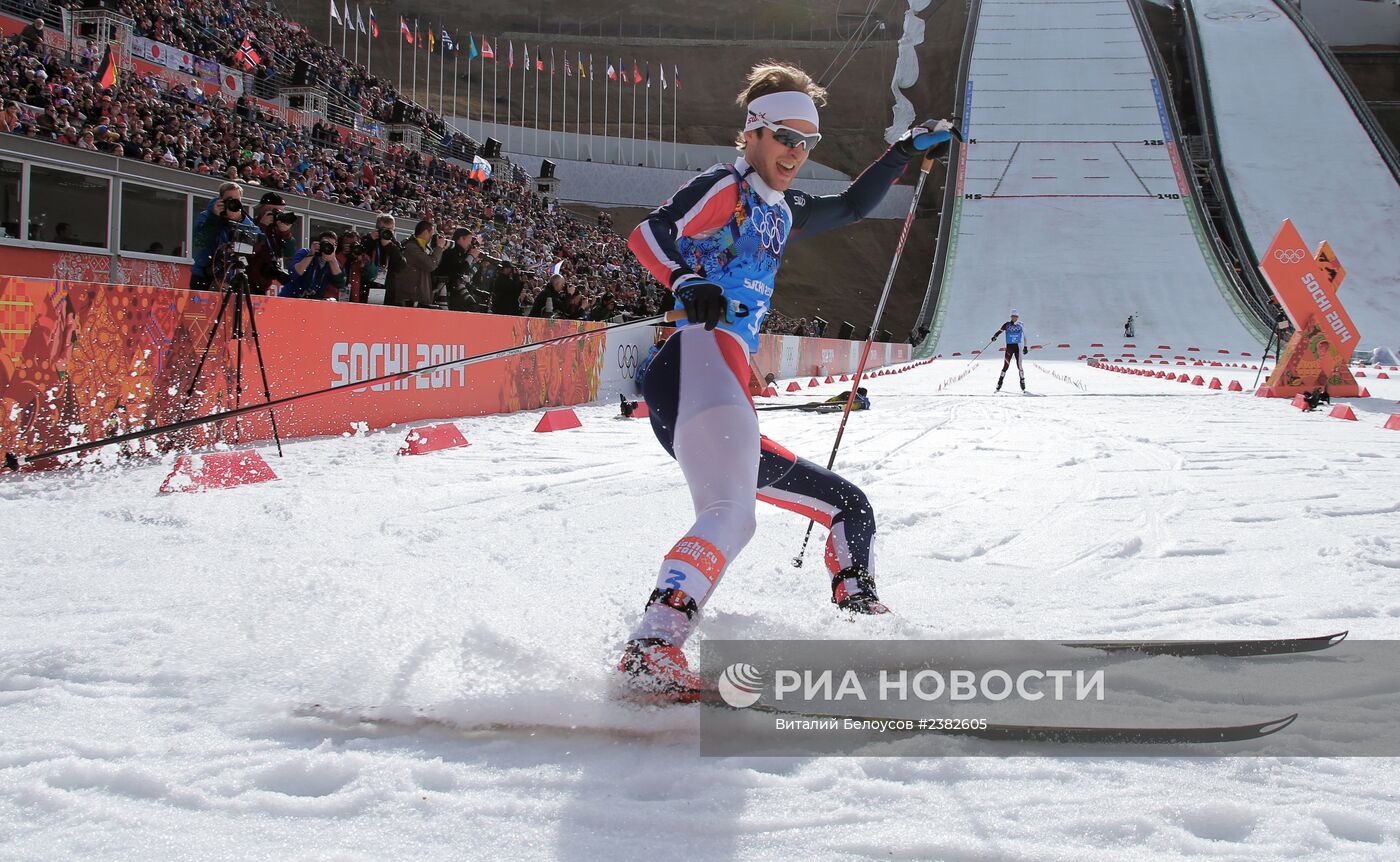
(80, 361)
(1305, 290)
(1306, 286)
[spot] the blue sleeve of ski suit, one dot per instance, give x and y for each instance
(813, 214)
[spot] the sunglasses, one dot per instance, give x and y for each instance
(790, 137)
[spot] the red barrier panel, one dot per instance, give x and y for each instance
(561, 419)
(432, 438)
(1343, 411)
(217, 470)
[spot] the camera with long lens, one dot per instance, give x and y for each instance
(233, 205)
(232, 255)
(241, 240)
(386, 233)
(325, 246)
(286, 217)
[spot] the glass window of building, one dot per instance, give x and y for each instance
(67, 208)
(153, 220)
(11, 175)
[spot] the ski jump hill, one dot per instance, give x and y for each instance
(1292, 145)
(1072, 200)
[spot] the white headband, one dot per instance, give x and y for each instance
(776, 107)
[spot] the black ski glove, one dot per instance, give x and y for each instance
(930, 135)
(703, 300)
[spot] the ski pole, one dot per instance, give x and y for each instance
(14, 462)
(1264, 358)
(869, 339)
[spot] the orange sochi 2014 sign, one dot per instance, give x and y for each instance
(1325, 337)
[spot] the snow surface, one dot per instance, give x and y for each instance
(1071, 208)
(1292, 148)
(154, 650)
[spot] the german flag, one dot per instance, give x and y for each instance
(107, 72)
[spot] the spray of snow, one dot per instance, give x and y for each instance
(906, 69)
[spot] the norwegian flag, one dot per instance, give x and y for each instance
(636, 73)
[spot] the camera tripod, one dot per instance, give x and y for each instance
(238, 292)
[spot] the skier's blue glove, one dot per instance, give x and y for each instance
(930, 135)
(703, 300)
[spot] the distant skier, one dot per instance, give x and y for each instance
(1015, 346)
(717, 244)
(1128, 327)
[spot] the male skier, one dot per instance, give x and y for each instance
(717, 244)
(1015, 346)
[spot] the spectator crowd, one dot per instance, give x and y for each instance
(482, 239)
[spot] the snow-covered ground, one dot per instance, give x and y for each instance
(154, 649)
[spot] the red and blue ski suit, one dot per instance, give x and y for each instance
(729, 227)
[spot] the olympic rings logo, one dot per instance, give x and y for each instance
(1289, 257)
(1244, 15)
(627, 360)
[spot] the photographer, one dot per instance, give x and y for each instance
(550, 302)
(506, 290)
(460, 266)
(354, 257)
(385, 259)
(413, 288)
(212, 230)
(314, 270)
(272, 254)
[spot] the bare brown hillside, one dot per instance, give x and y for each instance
(838, 277)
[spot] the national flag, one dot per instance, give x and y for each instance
(661, 67)
(648, 76)
(526, 46)
(247, 54)
(480, 169)
(510, 58)
(107, 72)
(676, 76)
(551, 62)
(612, 71)
(403, 28)
(539, 64)
(568, 70)
(335, 13)
(472, 53)
(359, 19)
(447, 43)
(345, 14)
(636, 73)
(580, 66)
(432, 42)
(487, 51)
(373, 25)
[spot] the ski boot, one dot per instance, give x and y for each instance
(999, 381)
(853, 590)
(656, 671)
(1023, 384)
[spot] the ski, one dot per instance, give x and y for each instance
(1068, 734)
(416, 719)
(1228, 648)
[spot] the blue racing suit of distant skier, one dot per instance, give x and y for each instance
(1015, 347)
(729, 227)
